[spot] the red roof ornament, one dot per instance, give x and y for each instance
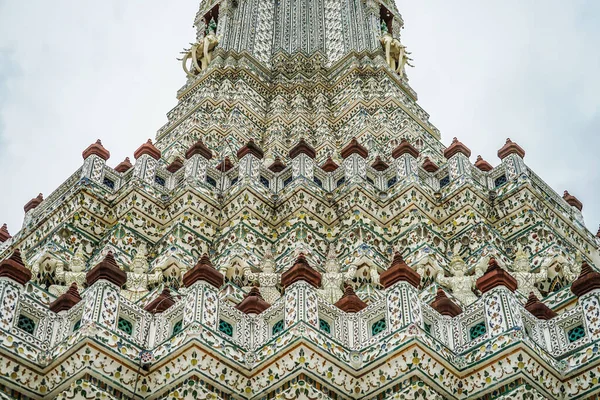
(14, 268)
(96, 149)
(250, 148)
(483, 165)
(224, 165)
(509, 148)
(108, 270)
(572, 201)
(405, 148)
(538, 309)
(33, 203)
(277, 165)
(598, 233)
(495, 276)
(354, 148)
(124, 165)
(147, 149)
(67, 300)
(253, 303)
(301, 271)
(302, 148)
(379, 164)
(4, 235)
(455, 148)
(203, 271)
(175, 166)
(444, 305)
(398, 272)
(350, 302)
(161, 303)
(329, 165)
(588, 280)
(198, 148)
(429, 165)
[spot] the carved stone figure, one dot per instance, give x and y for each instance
(201, 53)
(460, 283)
(332, 280)
(395, 54)
(75, 273)
(526, 279)
(138, 279)
(267, 279)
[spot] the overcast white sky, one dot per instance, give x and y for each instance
(75, 71)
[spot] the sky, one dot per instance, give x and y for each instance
(72, 72)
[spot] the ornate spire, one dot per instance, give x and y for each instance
(175, 166)
(398, 272)
(509, 148)
(4, 235)
(253, 302)
(572, 201)
(429, 165)
(33, 203)
(96, 149)
(277, 165)
(14, 268)
(198, 148)
(329, 165)
(301, 271)
(108, 270)
(588, 280)
(379, 164)
(147, 149)
(161, 303)
(494, 277)
(203, 271)
(124, 165)
(538, 309)
(350, 302)
(405, 148)
(456, 147)
(444, 305)
(67, 300)
(483, 165)
(251, 148)
(225, 165)
(354, 148)
(302, 148)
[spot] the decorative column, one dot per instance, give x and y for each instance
(540, 333)
(512, 156)
(202, 300)
(576, 206)
(146, 162)
(30, 206)
(303, 160)
(4, 237)
(459, 166)
(351, 304)
(250, 156)
(355, 164)
(431, 167)
(405, 156)
(401, 284)
(101, 299)
(196, 162)
(13, 277)
(448, 309)
(379, 165)
(301, 303)
(587, 289)
(502, 308)
(94, 161)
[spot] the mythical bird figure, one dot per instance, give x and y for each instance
(267, 279)
(333, 279)
(460, 283)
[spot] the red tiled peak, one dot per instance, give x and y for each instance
(588, 280)
(302, 148)
(250, 148)
(277, 165)
(147, 149)
(572, 201)
(398, 272)
(33, 203)
(253, 302)
(379, 164)
(108, 270)
(495, 276)
(198, 148)
(509, 148)
(14, 268)
(161, 303)
(350, 302)
(67, 300)
(175, 166)
(456, 147)
(96, 149)
(483, 165)
(429, 165)
(597, 233)
(225, 165)
(444, 305)
(329, 165)
(124, 165)
(538, 309)
(354, 148)
(203, 271)
(405, 148)
(4, 235)
(301, 271)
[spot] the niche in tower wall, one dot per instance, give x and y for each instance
(386, 17)
(212, 15)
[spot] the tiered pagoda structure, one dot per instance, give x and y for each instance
(298, 230)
